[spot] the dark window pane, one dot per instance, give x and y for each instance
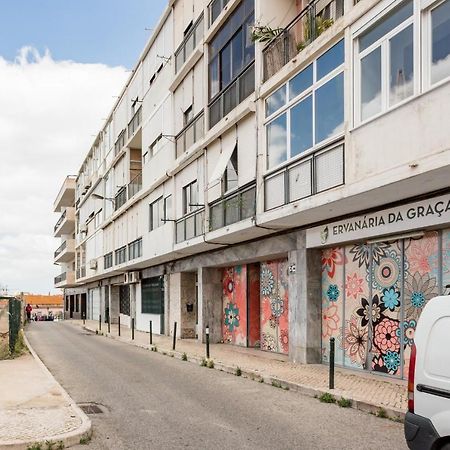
(330, 108)
(229, 99)
(232, 210)
(248, 203)
(330, 60)
(402, 67)
(385, 25)
(216, 216)
(276, 141)
(247, 83)
(440, 47)
(237, 54)
(300, 82)
(152, 296)
(301, 126)
(225, 66)
(276, 100)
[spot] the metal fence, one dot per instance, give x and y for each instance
(10, 325)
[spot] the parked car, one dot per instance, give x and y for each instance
(427, 422)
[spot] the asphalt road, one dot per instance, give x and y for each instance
(152, 401)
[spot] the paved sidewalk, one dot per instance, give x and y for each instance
(368, 392)
(35, 408)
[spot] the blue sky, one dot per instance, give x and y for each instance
(87, 31)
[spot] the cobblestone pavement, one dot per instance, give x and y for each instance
(381, 392)
(33, 406)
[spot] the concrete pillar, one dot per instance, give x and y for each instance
(133, 303)
(210, 303)
(182, 303)
(167, 305)
(114, 303)
(305, 302)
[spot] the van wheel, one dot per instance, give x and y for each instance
(444, 446)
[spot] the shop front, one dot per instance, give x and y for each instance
(378, 273)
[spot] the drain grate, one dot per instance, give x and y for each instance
(91, 408)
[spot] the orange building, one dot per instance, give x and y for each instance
(44, 304)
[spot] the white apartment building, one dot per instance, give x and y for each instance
(279, 171)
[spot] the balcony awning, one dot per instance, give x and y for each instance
(221, 165)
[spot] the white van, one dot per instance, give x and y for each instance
(427, 422)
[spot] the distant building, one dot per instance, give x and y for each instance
(44, 304)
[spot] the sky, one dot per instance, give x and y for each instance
(61, 64)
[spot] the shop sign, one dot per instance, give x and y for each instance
(418, 215)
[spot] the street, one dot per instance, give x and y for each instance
(154, 401)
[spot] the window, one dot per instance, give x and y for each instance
(230, 176)
(167, 207)
(386, 62)
(188, 115)
(190, 197)
(193, 34)
(308, 110)
(98, 219)
(152, 291)
(135, 249)
(156, 213)
(108, 260)
(124, 299)
(440, 42)
(215, 8)
(155, 146)
(121, 255)
(232, 49)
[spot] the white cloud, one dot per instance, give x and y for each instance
(49, 111)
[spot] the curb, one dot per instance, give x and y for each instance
(392, 413)
(68, 439)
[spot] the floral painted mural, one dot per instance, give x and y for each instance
(373, 295)
(274, 306)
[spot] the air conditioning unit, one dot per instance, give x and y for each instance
(93, 264)
(131, 277)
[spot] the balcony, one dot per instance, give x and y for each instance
(190, 134)
(233, 208)
(65, 252)
(125, 193)
(311, 175)
(232, 95)
(66, 222)
(135, 123)
(307, 26)
(81, 272)
(190, 226)
(214, 10)
(66, 195)
(190, 42)
(65, 279)
(120, 142)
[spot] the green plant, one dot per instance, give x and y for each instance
(20, 347)
(184, 357)
(381, 413)
(286, 388)
(35, 446)
(276, 384)
(50, 445)
(85, 439)
(265, 33)
(60, 445)
(344, 402)
(210, 364)
(326, 397)
(312, 29)
(164, 353)
(203, 362)
(238, 371)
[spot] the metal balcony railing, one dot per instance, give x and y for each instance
(135, 122)
(60, 278)
(61, 248)
(190, 134)
(81, 272)
(120, 142)
(309, 24)
(315, 173)
(232, 95)
(126, 192)
(233, 208)
(190, 41)
(121, 198)
(190, 226)
(61, 219)
(135, 185)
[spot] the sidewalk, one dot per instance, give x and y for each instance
(368, 392)
(35, 408)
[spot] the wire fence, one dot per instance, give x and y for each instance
(10, 326)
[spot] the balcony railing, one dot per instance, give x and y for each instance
(215, 8)
(120, 142)
(61, 219)
(190, 134)
(81, 272)
(190, 226)
(135, 122)
(190, 41)
(234, 94)
(307, 26)
(233, 208)
(61, 248)
(60, 278)
(135, 185)
(316, 173)
(121, 198)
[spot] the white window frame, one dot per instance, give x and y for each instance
(158, 203)
(290, 103)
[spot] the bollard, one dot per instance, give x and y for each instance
(207, 341)
(132, 329)
(151, 333)
(331, 380)
(109, 324)
(84, 318)
(100, 322)
(174, 335)
(118, 324)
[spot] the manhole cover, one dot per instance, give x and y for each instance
(91, 408)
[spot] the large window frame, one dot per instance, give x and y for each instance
(190, 197)
(290, 103)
